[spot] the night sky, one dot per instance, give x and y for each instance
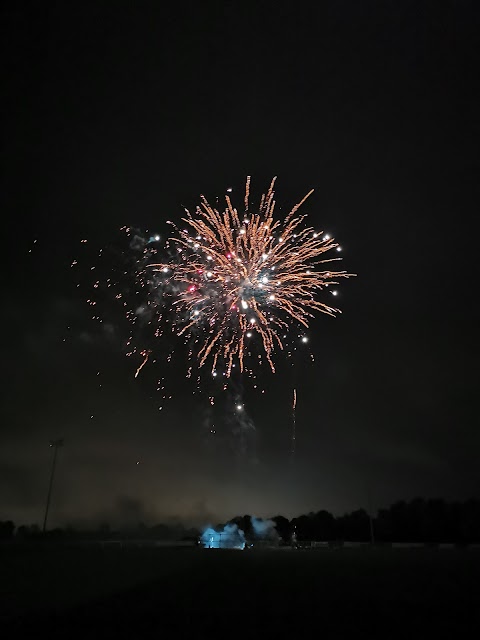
(121, 114)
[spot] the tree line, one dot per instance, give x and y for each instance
(419, 520)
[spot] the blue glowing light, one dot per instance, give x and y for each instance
(230, 538)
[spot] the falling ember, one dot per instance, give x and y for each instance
(242, 263)
(294, 422)
(146, 354)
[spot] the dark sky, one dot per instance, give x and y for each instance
(120, 113)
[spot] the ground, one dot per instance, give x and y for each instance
(145, 592)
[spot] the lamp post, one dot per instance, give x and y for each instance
(55, 444)
(370, 517)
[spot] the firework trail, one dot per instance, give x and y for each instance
(145, 355)
(294, 422)
(231, 282)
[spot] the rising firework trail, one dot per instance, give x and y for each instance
(231, 283)
(294, 423)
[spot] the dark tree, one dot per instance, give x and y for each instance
(354, 526)
(244, 523)
(6, 530)
(283, 527)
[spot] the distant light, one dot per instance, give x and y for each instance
(165, 270)
(249, 335)
(209, 274)
(264, 279)
(229, 190)
(304, 339)
(252, 321)
(157, 238)
(334, 293)
(272, 297)
(264, 256)
(196, 245)
(239, 407)
(196, 313)
(339, 248)
(209, 258)
(244, 304)
(315, 235)
(214, 374)
(327, 237)
(242, 231)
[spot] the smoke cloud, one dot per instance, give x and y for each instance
(264, 529)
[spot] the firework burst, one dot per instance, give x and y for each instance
(234, 279)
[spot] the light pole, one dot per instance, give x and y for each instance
(370, 517)
(55, 444)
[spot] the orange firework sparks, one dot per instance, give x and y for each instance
(240, 276)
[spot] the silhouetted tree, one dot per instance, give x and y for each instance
(283, 527)
(324, 525)
(6, 530)
(244, 523)
(28, 531)
(354, 526)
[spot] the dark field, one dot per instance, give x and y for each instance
(183, 592)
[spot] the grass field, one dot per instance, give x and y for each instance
(147, 592)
